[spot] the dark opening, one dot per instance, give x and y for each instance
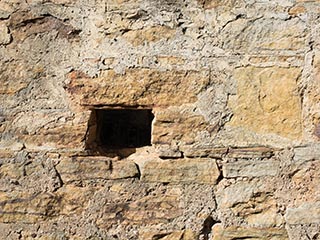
(207, 227)
(124, 128)
(119, 129)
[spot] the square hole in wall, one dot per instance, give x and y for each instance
(119, 129)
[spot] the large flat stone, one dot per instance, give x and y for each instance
(250, 201)
(159, 207)
(25, 208)
(236, 232)
(265, 34)
(94, 168)
(237, 193)
(267, 101)
(246, 168)
(307, 213)
(144, 87)
(181, 171)
(73, 199)
(178, 124)
(307, 153)
(213, 152)
(250, 152)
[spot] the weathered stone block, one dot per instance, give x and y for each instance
(4, 14)
(267, 101)
(175, 124)
(181, 171)
(151, 34)
(235, 232)
(307, 213)
(307, 153)
(5, 36)
(156, 208)
(14, 77)
(213, 152)
(24, 208)
(168, 151)
(73, 200)
(26, 23)
(237, 193)
(265, 35)
(251, 201)
(94, 168)
(58, 137)
(253, 152)
(144, 87)
(246, 168)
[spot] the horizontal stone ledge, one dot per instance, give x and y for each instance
(210, 152)
(89, 168)
(307, 153)
(250, 152)
(248, 168)
(241, 232)
(307, 213)
(200, 170)
(231, 152)
(139, 86)
(24, 208)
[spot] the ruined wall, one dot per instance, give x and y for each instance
(234, 87)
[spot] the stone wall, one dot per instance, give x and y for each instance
(234, 87)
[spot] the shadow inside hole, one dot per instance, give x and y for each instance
(118, 132)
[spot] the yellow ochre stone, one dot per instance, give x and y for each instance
(267, 101)
(151, 34)
(140, 87)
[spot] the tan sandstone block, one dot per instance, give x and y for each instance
(236, 232)
(170, 60)
(305, 181)
(158, 208)
(306, 213)
(312, 97)
(64, 136)
(181, 171)
(297, 9)
(265, 35)
(94, 168)
(246, 168)
(73, 199)
(24, 208)
(5, 37)
(14, 77)
(144, 87)
(178, 124)
(267, 101)
(211, 152)
(250, 201)
(150, 34)
(250, 152)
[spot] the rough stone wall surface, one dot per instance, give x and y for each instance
(235, 90)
